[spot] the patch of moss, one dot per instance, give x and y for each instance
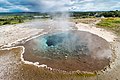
(112, 24)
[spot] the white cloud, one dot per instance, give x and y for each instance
(116, 6)
(54, 5)
(83, 1)
(96, 6)
(59, 5)
(23, 8)
(10, 6)
(3, 9)
(88, 0)
(5, 2)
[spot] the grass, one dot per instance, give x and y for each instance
(112, 24)
(7, 20)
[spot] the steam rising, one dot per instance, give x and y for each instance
(72, 43)
(59, 12)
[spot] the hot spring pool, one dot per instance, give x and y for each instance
(69, 51)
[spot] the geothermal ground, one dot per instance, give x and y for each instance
(16, 65)
(69, 51)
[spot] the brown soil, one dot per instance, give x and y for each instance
(11, 68)
(84, 63)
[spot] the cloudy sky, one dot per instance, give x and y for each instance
(58, 5)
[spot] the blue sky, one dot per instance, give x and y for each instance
(58, 5)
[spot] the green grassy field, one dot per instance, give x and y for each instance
(112, 24)
(6, 20)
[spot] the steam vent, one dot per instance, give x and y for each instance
(69, 51)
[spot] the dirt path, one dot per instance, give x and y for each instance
(108, 36)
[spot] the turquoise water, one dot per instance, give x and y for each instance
(69, 51)
(61, 44)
